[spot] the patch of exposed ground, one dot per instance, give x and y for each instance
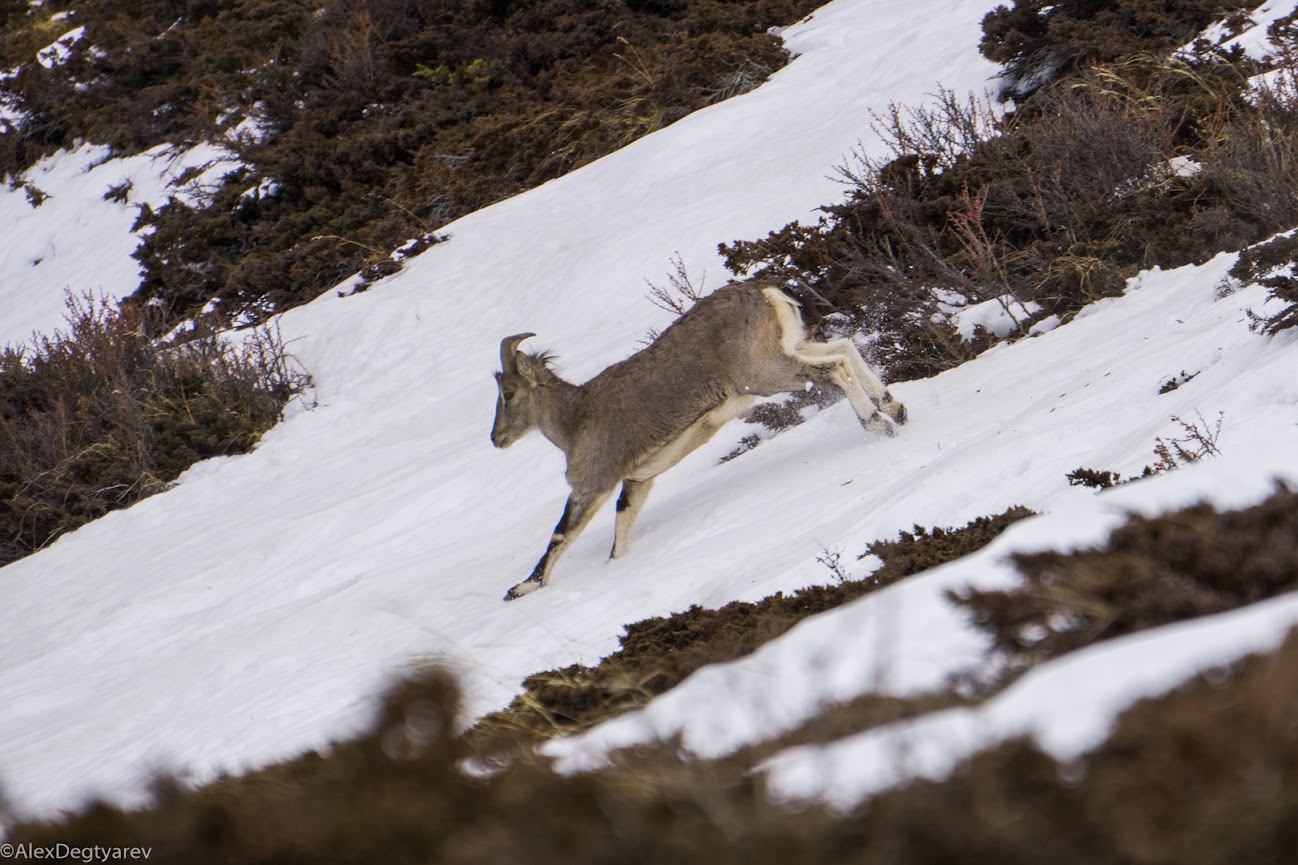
(1151, 572)
(656, 654)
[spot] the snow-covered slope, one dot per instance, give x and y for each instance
(257, 609)
(68, 227)
(1085, 395)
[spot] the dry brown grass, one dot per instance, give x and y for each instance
(1152, 571)
(1206, 775)
(1057, 203)
(381, 120)
(657, 654)
(99, 416)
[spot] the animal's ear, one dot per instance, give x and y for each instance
(526, 366)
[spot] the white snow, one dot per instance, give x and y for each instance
(1091, 387)
(1067, 706)
(1000, 316)
(1183, 166)
(252, 128)
(267, 188)
(259, 607)
(58, 51)
(1253, 38)
(77, 240)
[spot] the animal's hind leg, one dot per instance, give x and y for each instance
(576, 516)
(838, 369)
(629, 504)
(869, 383)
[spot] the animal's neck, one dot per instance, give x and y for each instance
(557, 410)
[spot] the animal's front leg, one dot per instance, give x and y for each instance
(628, 508)
(576, 515)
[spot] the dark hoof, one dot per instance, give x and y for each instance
(877, 425)
(524, 588)
(901, 416)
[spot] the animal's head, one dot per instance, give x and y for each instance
(516, 404)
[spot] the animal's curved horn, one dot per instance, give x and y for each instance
(508, 346)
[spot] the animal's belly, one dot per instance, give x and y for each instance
(695, 435)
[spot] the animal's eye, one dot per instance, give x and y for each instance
(509, 394)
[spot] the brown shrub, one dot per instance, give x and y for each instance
(380, 120)
(1207, 775)
(1058, 203)
(1152, 571)
(1035, 39)
(657, 654)
(1273, 264)
(97, 418)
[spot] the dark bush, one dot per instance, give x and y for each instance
(1035, 39)
(1152, 571)
(656, 654)
(1205, 775)
(1198, 440)
(100, 416)
(1093, 478)
(1273, 264)
(377, 121)
(1096, 176)
(917, 551)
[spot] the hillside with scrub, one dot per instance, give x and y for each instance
(253, 536)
